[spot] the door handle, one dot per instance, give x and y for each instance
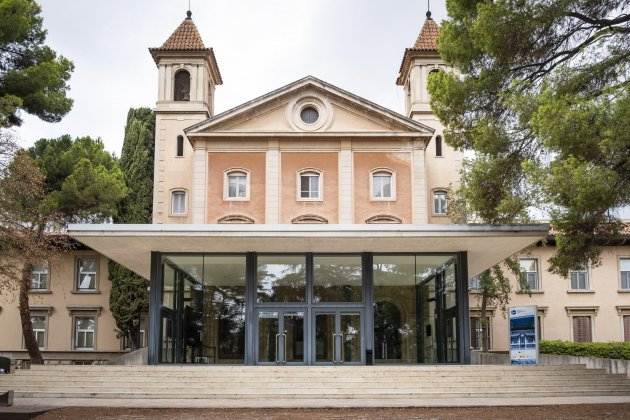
(335, 360)
(284, 340)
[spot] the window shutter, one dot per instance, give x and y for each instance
(626, 328)
(582, 332)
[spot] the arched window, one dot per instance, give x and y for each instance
(382, 185)
(236, 219)
(383, 219)
(309, 219)
(180, 146)
(438, 146)
(236, 185)
(440, 202)
(182, 86)
(309, 185)
(178, 202)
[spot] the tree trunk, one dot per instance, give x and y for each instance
(25, 315)
(483, 321)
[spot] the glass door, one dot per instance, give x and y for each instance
(337, 336)
(280, 337)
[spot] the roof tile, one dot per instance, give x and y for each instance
(185, 38)
(427, 40)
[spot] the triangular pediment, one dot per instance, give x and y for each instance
(333, 111)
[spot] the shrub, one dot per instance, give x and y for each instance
(606, 350)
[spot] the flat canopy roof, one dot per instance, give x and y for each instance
(131, 245)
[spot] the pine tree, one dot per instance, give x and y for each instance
(129, 298)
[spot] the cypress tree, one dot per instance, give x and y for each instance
(129, 298)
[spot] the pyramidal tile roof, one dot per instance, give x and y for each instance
(185, 38)
(427, 40)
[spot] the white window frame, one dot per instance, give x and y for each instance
(39, 330)
(226, 184)
(538, 282)
(38, 273)
(172, 202)
(620, 274)
(433, 202)
(587, 285)
(77, 272)
(76, 331)
(392, 174)
(298, 187)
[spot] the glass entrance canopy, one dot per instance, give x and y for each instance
(310, 308)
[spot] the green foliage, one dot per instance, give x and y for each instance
(136, 162)
(619, 350)
(129, 298)
(84, 182)
(33, 78)
(540, 94)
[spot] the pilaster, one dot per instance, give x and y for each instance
(419, 184)
(272, 183)
(199, 183)
(346, 177)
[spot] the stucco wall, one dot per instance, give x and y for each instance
(218, 207)
(400, 164)
(604, 302)
(291, 205)
(57, 301)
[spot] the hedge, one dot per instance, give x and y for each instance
(618, 350)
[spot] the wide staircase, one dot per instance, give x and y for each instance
(309, 386)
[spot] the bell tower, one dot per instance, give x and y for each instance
(441, 163)
(418, 62)
(187, 76)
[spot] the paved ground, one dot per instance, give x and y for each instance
(572, 412)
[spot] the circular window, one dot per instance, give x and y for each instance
(309, 115)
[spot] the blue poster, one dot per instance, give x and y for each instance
(523, 335)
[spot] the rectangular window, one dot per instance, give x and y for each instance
(579, 279)
(337, 279)
(180, 146)
(474, 283)
(237, 185)
(281, 278)
(382, 185)
(624, 272)
(582, 329)
(440, 203)
(178, 202)
(477, 335)
(529, 269)
(84, 332)
(626, 328)
(39, 277)
(39, 330)
(86, 274)
(309, 185)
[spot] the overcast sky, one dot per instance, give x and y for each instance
(260, 45)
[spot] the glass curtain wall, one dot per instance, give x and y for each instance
(203, 309)
(410, 294)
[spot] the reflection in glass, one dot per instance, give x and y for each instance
(267, 336)
(351, 337)
(293, 339)
(281, 278)
(203, 310)
(406, 296)
(337, 278)
(325, 337)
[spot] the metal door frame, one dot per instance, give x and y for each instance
(337, 311)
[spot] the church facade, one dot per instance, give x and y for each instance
(305, 226)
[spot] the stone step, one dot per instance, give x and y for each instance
(530, 393)
(237, 368)
(182, 391)
(313, 381)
